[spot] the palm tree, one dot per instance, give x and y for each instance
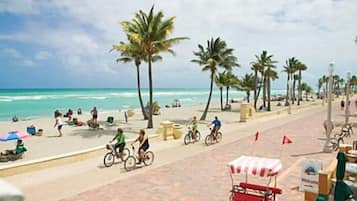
(308, 90)
(300, 67)
(295, 78)
(266, 62)
(247, 84)
(271, 75)
(215, 55)
(151, 32)
(290, 69)
(220, 82)
(131, 52)
(319, 85)
(257, 68)
(230, 80)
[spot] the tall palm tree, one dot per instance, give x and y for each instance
(290, 69)
(257, 68)
(295, 78)
(215, 55)
(247, 84)
(220, 82)
(300, 67)
(305, 87)
(266, 62)
(151, 32)
(271, 74)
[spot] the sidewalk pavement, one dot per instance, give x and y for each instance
(205, 176)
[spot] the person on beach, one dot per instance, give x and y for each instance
(59, 124)
(20, 148)
(342, 104)
(194, 123)
(143, 140)
(94, 114)
(120, 143)
(216, 126)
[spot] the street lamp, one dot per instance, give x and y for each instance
(347, 110)
(328, 125)
(290, 84)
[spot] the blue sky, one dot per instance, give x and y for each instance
(59, 44)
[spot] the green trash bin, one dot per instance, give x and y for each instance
(110, 119)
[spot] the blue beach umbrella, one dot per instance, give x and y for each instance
(14, 135)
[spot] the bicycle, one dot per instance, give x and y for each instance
(336, 141)
(109, 158)
(189, 136)
(346, 130)
(211, 138)
(131, 161)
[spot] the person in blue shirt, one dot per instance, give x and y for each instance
(216, 125)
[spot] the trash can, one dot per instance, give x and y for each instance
(167, 129)
(177, 129)
(31, 130)
(244, 112)
(110, 119)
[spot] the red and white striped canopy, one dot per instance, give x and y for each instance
(257, 166)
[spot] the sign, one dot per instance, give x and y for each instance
(310, 175)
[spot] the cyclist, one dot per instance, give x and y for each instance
(216, 126)
(143, 144)
(120, 143)
(194, 127)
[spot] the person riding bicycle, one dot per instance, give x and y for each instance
(143, 144)
(194, 127)
(216, 126)
(120, 142)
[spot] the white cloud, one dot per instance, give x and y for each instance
(43, 55)
(314, 31)
(28, 63)
(11, 52)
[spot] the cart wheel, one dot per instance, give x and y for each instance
(130, 163)
(149, 158)
(208, 140)
(187, 140)
(109, 159)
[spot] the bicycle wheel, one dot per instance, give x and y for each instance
(334, 144)
(126, 154)
(130, 163)
(198, 136)
(109, 159)
(187, 139)
(219, 137)
(149, 158)
(340, 141)
(208, 140)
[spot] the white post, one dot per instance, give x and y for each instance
(328, 123)
(347, 110)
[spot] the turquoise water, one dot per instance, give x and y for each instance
(35, 103)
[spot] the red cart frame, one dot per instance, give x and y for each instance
(256, 166)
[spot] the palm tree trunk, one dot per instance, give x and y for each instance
(139, 92)
(227, 92)
(248, 96)
(150, 122)
(264, 91)
(268, 91)
(220, 90)
(203, 117)
(287, 91)
(299, 89)
(293, 96)
(255, 88)
(258, 93)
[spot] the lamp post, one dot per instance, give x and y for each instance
(347, 110)
(290, 84)
(328, 125)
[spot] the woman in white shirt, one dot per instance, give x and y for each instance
(59, 124)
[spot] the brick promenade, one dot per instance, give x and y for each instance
(204, 177)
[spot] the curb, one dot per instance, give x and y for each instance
(42, 163)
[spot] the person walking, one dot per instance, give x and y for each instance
(94, 114)
(59, 124)
(342, 104)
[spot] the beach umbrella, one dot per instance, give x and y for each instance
(14, 135)
(342, 190)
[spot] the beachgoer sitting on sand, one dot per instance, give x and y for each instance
(77, 122)
(69, 114)
(144, 145)
(79, 111)
(20, 148)
(216, 126)
(120, 143)
(194, 127)
(15, 119)
(59, 124)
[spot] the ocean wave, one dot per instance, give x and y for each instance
(5, 100)
(94, 97)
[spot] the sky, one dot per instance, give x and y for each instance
(65, 44)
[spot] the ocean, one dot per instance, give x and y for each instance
(37, 103)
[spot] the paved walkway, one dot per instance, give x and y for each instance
(204, 177)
